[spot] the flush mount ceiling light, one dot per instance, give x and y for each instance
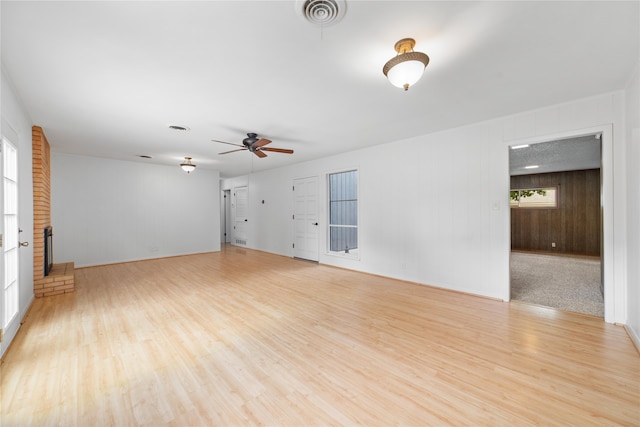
(187, 166)
(407, 67)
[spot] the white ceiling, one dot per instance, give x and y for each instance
(107, 78)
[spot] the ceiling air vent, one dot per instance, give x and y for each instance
(177, 127)
(321, 12)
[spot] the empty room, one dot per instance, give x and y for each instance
(308, 212)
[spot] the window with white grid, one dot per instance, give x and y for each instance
(343, 212)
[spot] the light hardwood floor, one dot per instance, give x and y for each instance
(243, 337)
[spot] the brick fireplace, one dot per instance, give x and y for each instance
(61, 277)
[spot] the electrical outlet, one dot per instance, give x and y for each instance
(553, 244)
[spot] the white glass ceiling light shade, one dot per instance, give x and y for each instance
(187, 166)
(406, 68)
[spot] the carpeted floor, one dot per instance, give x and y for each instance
(564, 282)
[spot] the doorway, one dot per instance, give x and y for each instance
(240, 208)
(305, 218)
(556, 224)
(9, 263)
(225, 215)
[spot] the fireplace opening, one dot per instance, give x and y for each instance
(48, 249)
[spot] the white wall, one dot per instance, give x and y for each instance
(16, 126)
(107, 211)
(632, 96)
(434, 208)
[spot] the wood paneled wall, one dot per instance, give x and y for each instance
(575, 226)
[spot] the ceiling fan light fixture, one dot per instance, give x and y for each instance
(253, 144)
(406, 68)
(187, 166)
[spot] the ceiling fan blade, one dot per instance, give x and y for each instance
(278, 150)
(233, 151)
(259, 153)
(261, 142)
(225, 142)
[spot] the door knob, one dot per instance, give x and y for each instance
(24, 243)
(315, 223)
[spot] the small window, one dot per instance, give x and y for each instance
(343, 212)
(534, 198)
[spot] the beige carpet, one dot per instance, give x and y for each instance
(567, 283)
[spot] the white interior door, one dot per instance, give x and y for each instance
(241, 212)
(9, 266)
(305, 218)
(227, 217)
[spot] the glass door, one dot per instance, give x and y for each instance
(10, 244)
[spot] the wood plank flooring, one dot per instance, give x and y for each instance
(243, 337)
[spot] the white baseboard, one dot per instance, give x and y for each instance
(634, 337)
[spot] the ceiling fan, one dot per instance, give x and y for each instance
(255, 145)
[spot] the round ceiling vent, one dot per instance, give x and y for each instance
(321, 12)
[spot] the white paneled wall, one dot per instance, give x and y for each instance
(632, 97)
(434, 209)
(106, 211)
